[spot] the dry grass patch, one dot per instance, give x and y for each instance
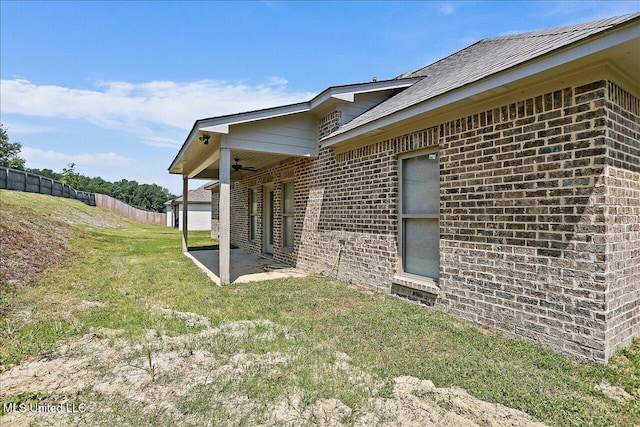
(185, 376)
(143, 337)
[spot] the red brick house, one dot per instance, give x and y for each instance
(500, 184)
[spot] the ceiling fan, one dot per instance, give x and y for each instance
(238, 167)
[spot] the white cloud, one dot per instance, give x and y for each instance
(141, 107)
(142, 122)
(446, 8)
(161, 142)
(50, 159)
(16, 127)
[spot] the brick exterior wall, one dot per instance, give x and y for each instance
(329, 123)
(522, 228)
(621, 182)
(538, 219)
(294, 170)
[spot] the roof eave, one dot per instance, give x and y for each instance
(347, 92)
(221, 124)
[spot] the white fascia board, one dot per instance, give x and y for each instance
(387, 85)
(191, 202)
(213, 187)
(252, 116)
(221, 129)
(183, 149)
(492, 82)
(349, 97)
(347, 93)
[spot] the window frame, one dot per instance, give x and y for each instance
(413, 277)
(285, 215)
(253, 216)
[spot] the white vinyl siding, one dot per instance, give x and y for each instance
(199, 216)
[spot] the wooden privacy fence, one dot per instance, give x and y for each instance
(131, 212)
(12, 179)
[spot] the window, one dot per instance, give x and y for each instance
(419, 209)
(253, 213)
(287, 215)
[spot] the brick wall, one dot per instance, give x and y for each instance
(352, 210)
(621, 182)
(328, 123)
(295, 170)
(526, 217)
(522, 229)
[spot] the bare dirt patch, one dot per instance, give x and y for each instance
(206, 377)
(613, 392)
(33, 241)
(30, 244)
(82, 218)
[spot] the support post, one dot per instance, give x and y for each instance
(185, 209)
(224, 211)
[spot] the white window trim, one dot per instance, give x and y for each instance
(403, 278)
(253, 192)
(285, 215)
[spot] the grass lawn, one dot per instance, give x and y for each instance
(127, 279)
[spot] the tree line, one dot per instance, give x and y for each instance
(147, 196)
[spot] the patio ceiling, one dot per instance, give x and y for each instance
(252, 159)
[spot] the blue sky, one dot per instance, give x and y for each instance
(115, 86)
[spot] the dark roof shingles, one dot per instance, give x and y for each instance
(200, 194)
(480, 60)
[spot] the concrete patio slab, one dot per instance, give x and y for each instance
(245, 267)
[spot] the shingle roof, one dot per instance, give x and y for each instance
(480, 60)
(200, 194)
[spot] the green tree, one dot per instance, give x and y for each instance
(9, 151)
(148, 196)
(125, 190)
(47, 173)
(71, 177)
(151, 196)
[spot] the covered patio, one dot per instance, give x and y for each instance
(243, 266)
(227, 148)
